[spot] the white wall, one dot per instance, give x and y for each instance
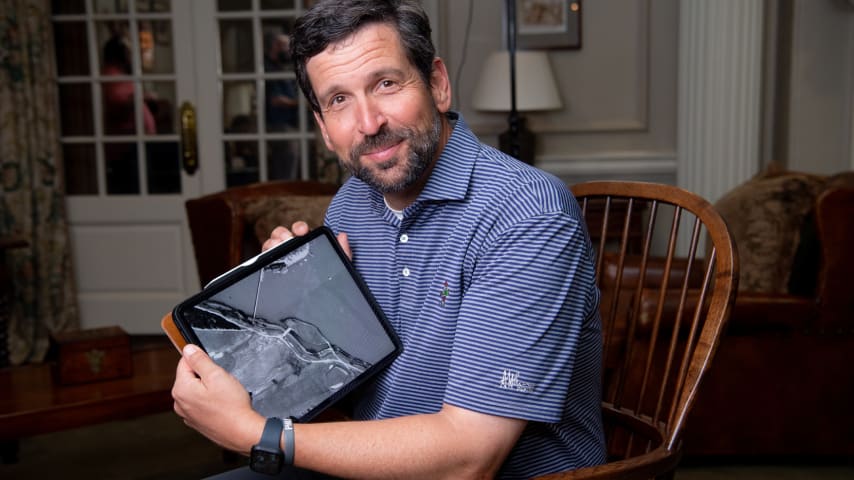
(821, 101)
(619, 89)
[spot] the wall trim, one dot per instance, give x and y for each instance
(610, 163)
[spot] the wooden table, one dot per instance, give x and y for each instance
(31, 403)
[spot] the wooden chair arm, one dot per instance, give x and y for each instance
(642, 466)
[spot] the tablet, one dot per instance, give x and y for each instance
(296, 325)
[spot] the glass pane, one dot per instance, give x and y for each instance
(75, 107)
(115, 51)
(72, 50)
(155, 46)
(118, 109)
(282, 105)
(241, 162)
(81, 172)
(153, 6)
(234, 5)
(163, 167)
(111, 6)
(326, 163)
(310, 124)
(160, 104)
(283, 160)
(236, 46)
(276, 44)
(60, 7)
(239, 100)
(122, 167)
(276, 4)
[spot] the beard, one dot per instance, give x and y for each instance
(423, 146)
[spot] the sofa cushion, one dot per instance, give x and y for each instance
(765, 216)
(265, 214)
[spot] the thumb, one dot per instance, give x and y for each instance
(345, 244)
(198, 360)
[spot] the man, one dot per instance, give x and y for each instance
(481, 263)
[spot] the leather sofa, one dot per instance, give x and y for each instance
(782, 381)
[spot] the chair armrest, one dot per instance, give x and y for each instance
(644, 466)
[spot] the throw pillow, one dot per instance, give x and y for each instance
(765, 216)
(265, 214)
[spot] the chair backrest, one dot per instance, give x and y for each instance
(226, 226)
(667, 268)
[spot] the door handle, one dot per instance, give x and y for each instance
(189, 140)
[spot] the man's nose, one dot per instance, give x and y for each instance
(371, 117)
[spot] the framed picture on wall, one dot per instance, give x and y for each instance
(548, 24)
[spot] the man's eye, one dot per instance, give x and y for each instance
(387, 83)
(336, 100)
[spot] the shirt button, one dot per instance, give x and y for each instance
(405, 272)
(404, 238)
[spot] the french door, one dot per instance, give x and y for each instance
(161, 101)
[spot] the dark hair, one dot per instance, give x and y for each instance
(117, 53)
(331, 21)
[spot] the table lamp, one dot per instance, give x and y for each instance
(530, 73)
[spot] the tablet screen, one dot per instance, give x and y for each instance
(296, 326)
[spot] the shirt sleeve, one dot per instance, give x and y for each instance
(531, 302)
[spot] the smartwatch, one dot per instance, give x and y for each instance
(267, 456)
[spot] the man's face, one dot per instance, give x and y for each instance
(378, 116)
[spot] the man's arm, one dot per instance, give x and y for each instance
(453, 443)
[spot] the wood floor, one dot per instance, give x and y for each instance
(161, 447)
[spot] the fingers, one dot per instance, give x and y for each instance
(277, 236)
(281, 234)
(300, 228)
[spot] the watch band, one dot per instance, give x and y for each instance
(267, 456)
(288, 427)
(271, 435)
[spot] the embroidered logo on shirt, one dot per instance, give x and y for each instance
(445, 292)
(510, 381)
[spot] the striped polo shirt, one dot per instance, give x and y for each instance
(489, 282)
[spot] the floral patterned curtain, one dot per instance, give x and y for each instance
(31, 192)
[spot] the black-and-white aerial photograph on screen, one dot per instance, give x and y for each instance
(295, 332)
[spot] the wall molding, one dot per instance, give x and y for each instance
(608, 164)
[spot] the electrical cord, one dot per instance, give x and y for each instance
(462, 62)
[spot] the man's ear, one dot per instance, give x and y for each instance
(440, 85)
(319, 120)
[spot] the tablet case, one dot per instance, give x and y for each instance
(288, 390)
(167, 324)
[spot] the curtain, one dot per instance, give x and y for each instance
(32, 203)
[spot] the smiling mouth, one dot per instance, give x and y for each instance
(383, 153)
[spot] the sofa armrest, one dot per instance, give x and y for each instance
(834, 209)
(752, 312)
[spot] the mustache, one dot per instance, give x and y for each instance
(384, 138)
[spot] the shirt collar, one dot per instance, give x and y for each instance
(451, 175)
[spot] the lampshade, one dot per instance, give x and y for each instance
(535, 83)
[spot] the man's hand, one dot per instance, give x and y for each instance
(281, 234)
(212, 401)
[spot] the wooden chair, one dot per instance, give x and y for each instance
(661, 325)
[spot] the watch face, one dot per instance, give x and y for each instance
(263, 461)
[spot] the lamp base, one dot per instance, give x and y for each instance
(518, 142)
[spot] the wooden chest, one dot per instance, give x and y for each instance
(92, 355)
